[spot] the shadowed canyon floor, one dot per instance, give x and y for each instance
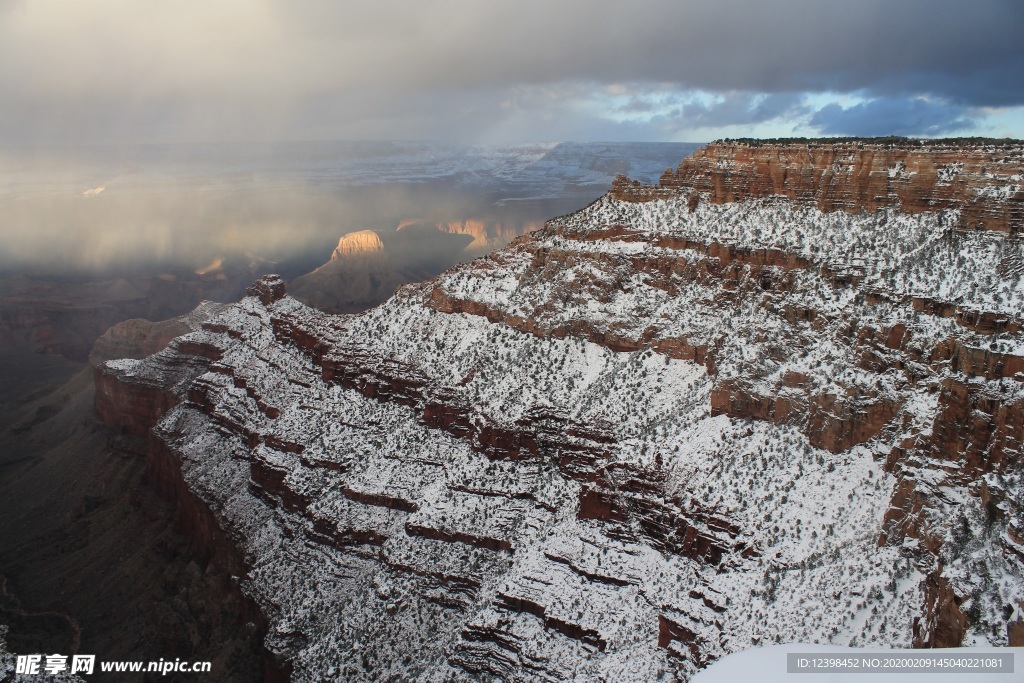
(93, 559)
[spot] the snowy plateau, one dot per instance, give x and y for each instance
(777, 398)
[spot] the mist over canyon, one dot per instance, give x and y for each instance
(83, 209)
(95, 235)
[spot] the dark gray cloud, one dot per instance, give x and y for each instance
(894, 116)
(743, 45)
(143, 69)
(739, 109)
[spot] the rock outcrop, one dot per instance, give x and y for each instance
(362, 243)
(138, 337)
(685, 420)
(66, 315)
(368, 266)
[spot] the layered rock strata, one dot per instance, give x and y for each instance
(983, 181)
(669, 426)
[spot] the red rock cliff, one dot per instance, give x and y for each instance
(983, 181)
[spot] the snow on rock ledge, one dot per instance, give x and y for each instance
(647, 436)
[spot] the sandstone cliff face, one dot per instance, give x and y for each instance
(133, 406)
(488, 235)
(659, 430)
(359, 244)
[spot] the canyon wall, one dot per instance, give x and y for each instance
(675, 424)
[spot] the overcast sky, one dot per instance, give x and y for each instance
(482, 71)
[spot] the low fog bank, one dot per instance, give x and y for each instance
(104, 211)
(121, 230)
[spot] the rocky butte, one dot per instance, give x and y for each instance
(777, 397)
(367, 266)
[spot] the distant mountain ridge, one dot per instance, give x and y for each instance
(338, 164)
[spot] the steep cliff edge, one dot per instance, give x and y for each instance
(672, 425)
